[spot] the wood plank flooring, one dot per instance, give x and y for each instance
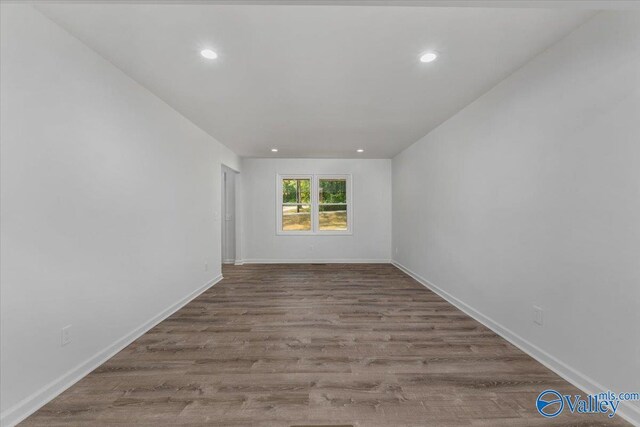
(338, 344)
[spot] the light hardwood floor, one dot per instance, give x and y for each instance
(338, 344)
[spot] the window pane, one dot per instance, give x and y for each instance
(333, 191)
(296, 190)
(296, 217)
(333, 217)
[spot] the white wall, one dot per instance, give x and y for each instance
(110, 208)
(531, 195)
(371, 238)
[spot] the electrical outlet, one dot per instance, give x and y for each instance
(66, 335)
(538, 317)
(206, 266)
(396, 250)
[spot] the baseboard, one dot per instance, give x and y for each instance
(578, 379)
(315, 261)
(20, 411)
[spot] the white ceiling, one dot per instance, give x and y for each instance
(315, 81)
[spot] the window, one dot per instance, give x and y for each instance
(296, 204)
(332, 204)
(314, 204)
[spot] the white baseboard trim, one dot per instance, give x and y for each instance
(578, 379)
(238, 262)
(315, 261)
(17, 413)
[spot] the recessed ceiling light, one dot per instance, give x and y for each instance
(360, 150)
(274, 150)
(428, 57)
(208, 53)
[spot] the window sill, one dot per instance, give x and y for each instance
(312, 233)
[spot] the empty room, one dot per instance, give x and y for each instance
(320, 213)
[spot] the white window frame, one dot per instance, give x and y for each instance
(279, 204)
(315, 205)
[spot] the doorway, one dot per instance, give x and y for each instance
(228, 253)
